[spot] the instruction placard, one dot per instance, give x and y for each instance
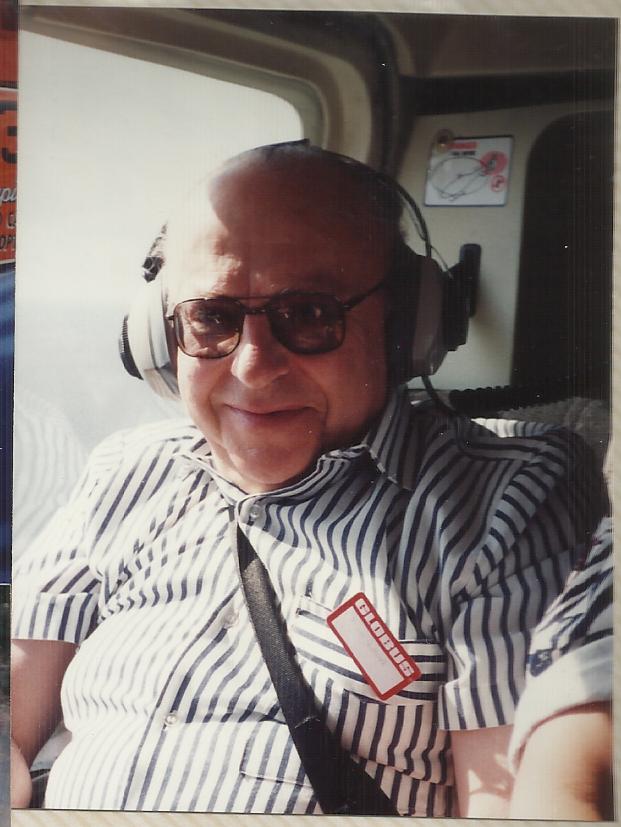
(469, 172)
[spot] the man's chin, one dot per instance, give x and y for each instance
(264, 469)
(265, 451)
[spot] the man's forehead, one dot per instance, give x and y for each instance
(278, 202)
(306, 186)
(257, 228)
(269, 266)
(248, 183)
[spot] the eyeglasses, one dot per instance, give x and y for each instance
(304, 323)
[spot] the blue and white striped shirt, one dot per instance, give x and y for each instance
(459, 532)
(571, 656)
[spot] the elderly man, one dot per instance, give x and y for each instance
(284, 285)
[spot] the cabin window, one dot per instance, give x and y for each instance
(108, 144)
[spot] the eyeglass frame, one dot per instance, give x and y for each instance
(264, 309)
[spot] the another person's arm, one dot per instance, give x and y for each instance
(482, 777)
(522, 565)
(566, 768)
(37, 670)
(562, 745)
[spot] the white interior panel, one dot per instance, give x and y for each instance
(486, 357)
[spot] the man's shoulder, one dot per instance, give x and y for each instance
(524, 466)
(494, 437)
(416, 437)
(159, 439)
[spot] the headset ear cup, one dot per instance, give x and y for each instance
(414, 325)
(145, 344)
(428, 344)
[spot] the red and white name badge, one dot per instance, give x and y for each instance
(383, 661)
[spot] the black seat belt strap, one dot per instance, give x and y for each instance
(341, 785)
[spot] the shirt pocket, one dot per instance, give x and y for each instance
(399, 732)
(270, 756)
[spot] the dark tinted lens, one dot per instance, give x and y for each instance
(307, 323)
(208, 327)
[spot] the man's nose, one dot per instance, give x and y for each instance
(259, 358)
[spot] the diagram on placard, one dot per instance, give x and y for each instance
(469, 172)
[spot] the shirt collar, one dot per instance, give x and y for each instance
(392, 443)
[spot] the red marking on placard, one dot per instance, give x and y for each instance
(383, 661)
(493, 162)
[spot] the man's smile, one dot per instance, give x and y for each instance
(267, 415)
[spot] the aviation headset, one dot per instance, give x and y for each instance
(428, 313)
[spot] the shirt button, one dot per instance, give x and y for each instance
(254, 512)
(539, 661)
(230, 619)
(170, 719)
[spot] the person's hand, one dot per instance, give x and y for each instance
(21, 783)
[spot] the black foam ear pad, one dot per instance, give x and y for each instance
(414, 327)
(402, 289)
(125, 351)
(429, 345)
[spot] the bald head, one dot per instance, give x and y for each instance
(277, 189)
(310, 173)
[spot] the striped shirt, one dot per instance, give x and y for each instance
(459, 532)
(571, 657)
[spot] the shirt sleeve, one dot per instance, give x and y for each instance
(55, 586)
(540, 521)
(570, 662)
